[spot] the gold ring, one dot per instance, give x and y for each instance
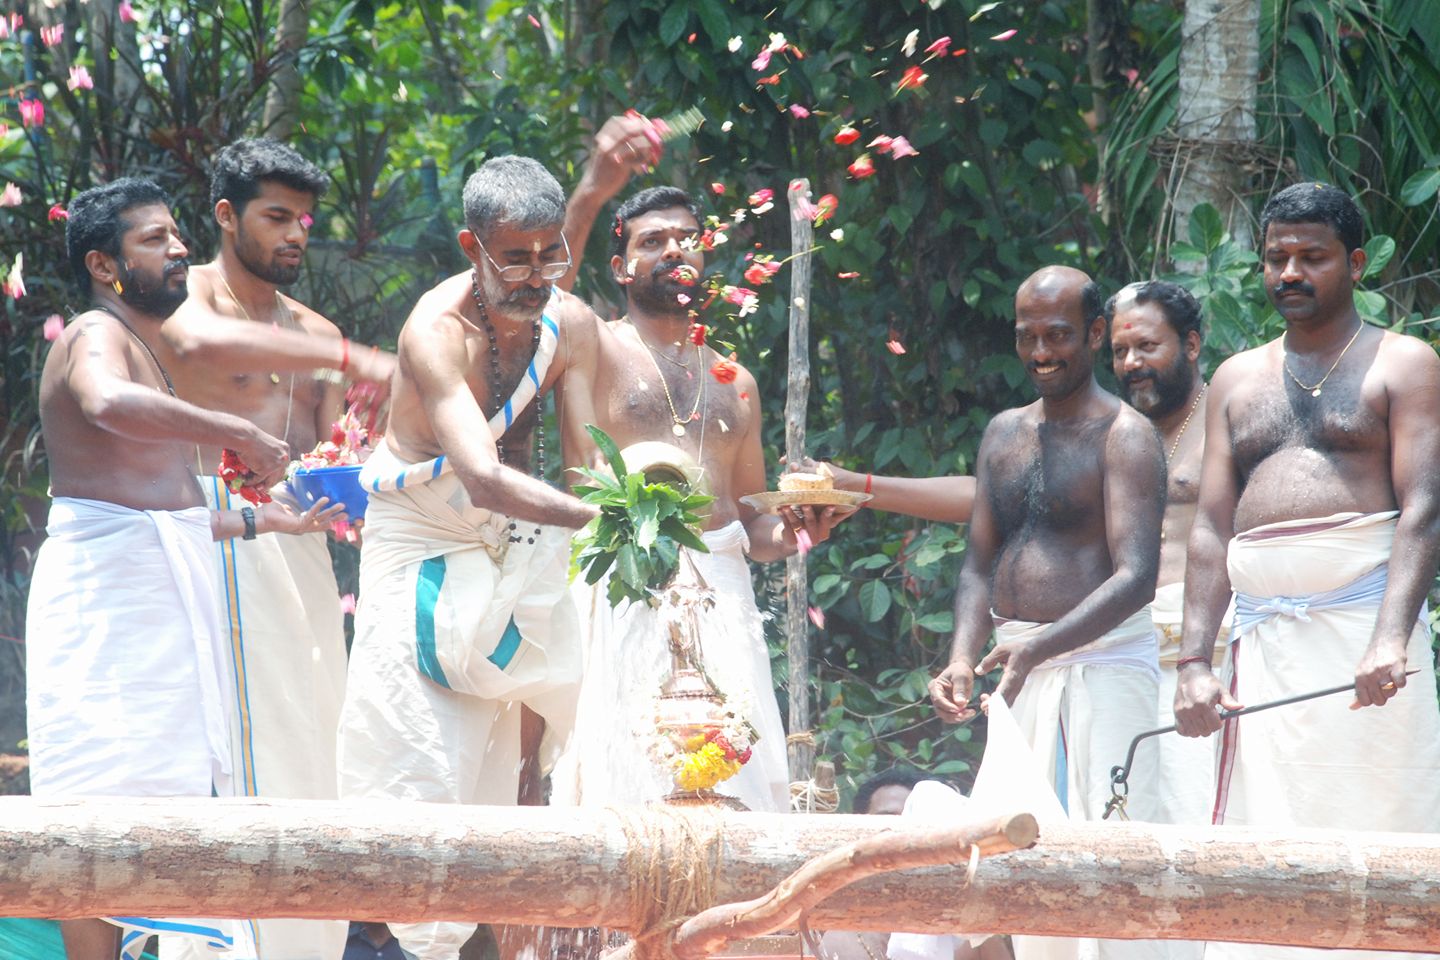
(1388, 686)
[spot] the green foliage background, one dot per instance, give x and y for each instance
(402, 100)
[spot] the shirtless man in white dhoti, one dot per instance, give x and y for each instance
(1320, 508)
(652, 383)
(280, 604)
(465, 619)
(1155, 341)
(127, 684)
(1064, 544)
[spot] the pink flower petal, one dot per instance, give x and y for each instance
(895, 347)
(900, 147)
(1006, 35)
(347, 603)
(533, 22)
(938, 48)
(799, 112)
(817, 617)
(11, 196)
(803, 543)
(127, 12)
(761, 61)
(54, 326)
(307, 221)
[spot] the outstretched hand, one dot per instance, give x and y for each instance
(276, 517)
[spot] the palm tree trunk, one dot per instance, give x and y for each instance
(282, 101)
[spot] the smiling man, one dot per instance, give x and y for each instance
(1155, 339)
(1064, 544)
(1320, 507)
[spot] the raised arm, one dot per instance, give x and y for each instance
(1414, 394)
(1207, 583)
(950, 690)
(626, 145)
(943, 499)
(98, 375)
(433, 357)
(1134, 492)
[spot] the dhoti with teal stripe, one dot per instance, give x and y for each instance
(457, 627)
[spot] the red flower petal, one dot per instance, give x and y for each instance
(847, 135)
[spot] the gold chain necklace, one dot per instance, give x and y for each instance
(678, 427)
(1175, 447)
(1315, 390)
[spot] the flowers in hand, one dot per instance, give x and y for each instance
(240, 479)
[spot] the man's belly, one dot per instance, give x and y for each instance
(1296, 483)
(1042, 581)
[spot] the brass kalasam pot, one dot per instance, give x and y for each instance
(665, 463)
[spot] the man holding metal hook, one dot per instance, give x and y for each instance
(1320, 508)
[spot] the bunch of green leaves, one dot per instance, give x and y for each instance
(640, 529)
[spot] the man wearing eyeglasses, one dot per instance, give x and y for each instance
(465, 624)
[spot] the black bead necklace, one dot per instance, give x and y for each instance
(498, 397)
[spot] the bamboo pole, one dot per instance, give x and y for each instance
(536, 865)
(800, 747)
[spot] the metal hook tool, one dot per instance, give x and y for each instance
(1120, 776)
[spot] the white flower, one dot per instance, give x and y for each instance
(838, 235)
(725, 127)
(717, 238)
(908, 47)
(765, 207)
(735, 44)
(739, 215)
(777, 42)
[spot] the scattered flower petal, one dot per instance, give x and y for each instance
(913, 77)
(725, 371)
(1006, 35)
(894, 346)
(80, 79)
(900, 147)
(718, 189)
(847, 274)
(127, 12)
(938, 48)
(724, 427)
(57, 212)
(307, 221)
(761, 197)
(54, 326)
(803, 543)
(771, 80)
(11, 196)
(838, 235)
(880, 144)
(697, 334)
(799, 112)
(53, 34)
(817, 617)
(347, 603)
(825, 208)
(908, 47)
(727, 126)
(847, 135)
(761, 61)
(862, 167)
(533, 22)
(690, 39)
(683, 299)
(14, 285)
(761, 271)
(735, 44)
(777, 43)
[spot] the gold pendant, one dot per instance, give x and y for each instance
(678, 429)
(275, 378)
(1315, 392)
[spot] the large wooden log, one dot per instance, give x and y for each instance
(398, 861)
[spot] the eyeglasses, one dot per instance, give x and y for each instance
(520, 272)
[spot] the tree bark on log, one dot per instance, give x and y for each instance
(537, 865)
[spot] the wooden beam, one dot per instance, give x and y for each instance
(567, 867)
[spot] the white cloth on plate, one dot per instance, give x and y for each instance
(627, 656)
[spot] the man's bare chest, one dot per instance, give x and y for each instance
(1272, 416)
(1055, 481)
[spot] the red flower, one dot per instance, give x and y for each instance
(862, 168)
(825, 208)
(697, 334)
(718, 189)
(761, 271)
(847, 135)
(725, 371)
(912, 77)
(761, 196)
(58, 212)
(240, 478)
(771, 80)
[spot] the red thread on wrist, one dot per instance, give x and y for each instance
(344, 354)
(1183, 661)
(869, 481)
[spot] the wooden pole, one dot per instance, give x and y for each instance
(537, 865)
(800, 748)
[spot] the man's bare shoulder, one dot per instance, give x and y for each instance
(1406, 357)
(577, 322)
(310, 321)
(436, 315)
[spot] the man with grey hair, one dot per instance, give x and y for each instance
(465, 637)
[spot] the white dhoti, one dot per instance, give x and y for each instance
(1185, 786)
(627, 656)
(1307, 597)
(127, 683)
(457, 627)
(1080, 711)
(285, 639)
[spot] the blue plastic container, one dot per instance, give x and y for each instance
(340, 484)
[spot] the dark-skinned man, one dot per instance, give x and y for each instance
(127, 683)
(1320, 508)
(1064, 545)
